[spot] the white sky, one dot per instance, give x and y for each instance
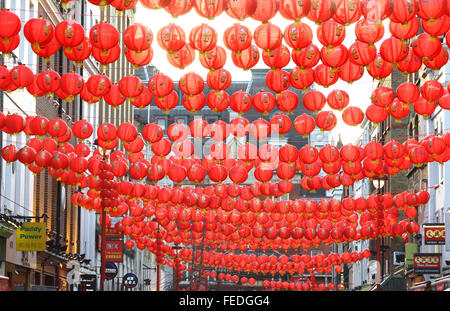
(359, 91)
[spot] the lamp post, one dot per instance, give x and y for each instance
(378, 183)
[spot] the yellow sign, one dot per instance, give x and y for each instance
(31, 236)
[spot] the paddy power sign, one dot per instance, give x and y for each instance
(31, 236)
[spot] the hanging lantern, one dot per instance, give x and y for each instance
(404, 31)
(432, 90)
(48, 81)
(72, 84)
(265, 10)
(182, 57)
(376, 114)
(347, 12)
(104, 36)
(69, 33)
(314, 101)
(334, 56)
(21, 76)
(376, 10)
(267, 36)
(38, 32)
(426, 47)
(219, 79)
(330, 33)
(431, 9)
(287, 101)
(240, 9)
(277, 80)
(424, 108)
(247, 58)
(203, 38)
(79, 53)
(326, 120)
(281, 124)
(160, 85)
(241, 102)
(350, 72)
(325, 75)
(298, 35)
(304, 124)
(178, 7)
(369, 32)
(410, 64)
(114, 97)
(278, 58)
(321, 11)
(209, 9)
(301, 78)
(193, 103)
(106, 57)
(213, 59)
(379, 68)
(264, 102)
(399, 110)
(166, 103)
(171, 37)
(294, 10)
(353, 116)
(154, 4)
(218, 100)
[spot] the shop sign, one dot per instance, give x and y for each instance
(410, 250)
(427, 263)
(434, 234)
(130, 280)
(111, 234)
(110, 270)
(87, 283)
(31, 236)
(114, 251)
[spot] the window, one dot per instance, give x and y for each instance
(162, 122)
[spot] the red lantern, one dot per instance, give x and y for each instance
(98, 85)
(168, 102)
(404, 31)
(203, 38)
(183, 57)
(399, 110)
(294, 10)
(278, 58)
(154, 4)
(247, 58)
(264, 102)
(72, 84)
(410, 64)
(304, 124)
(265, 10)
(114, 97)
(321, 11)
(431, 9)
(171, 37)
(426, 47)
(338, 99)
(240, 9)
(241, 102)
(287, 101)
(267, 36)
(237, 37)
(178, 7)
(79, 53)
(376, 114)
(281, 124)
(38, 32)
(131, 86)
(105, 57)
(193, 103)
(209, 9)
(353, 116)
(382, 96)
(408, 92)
(104, 36)
(219, 79)
(350, 72)
(298, 35)
(69, 33)
(376, 10)
(21, 76)
(213, 59)
(139, 58)
(326, 120)
(314, 101)
(330, 33)
(368, 31)
(325, 75)
(277, 80)
(379, 68)
(394, 50)
(424, 107)
(48, 81)
(403, 11)
(347, 12)
(10, 24)
(334, 56)
(218, 100)
(160, 85)
(301, 78)
(432, 90)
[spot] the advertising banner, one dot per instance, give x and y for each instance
(31, 236)
(434, 234)
(427, 263)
